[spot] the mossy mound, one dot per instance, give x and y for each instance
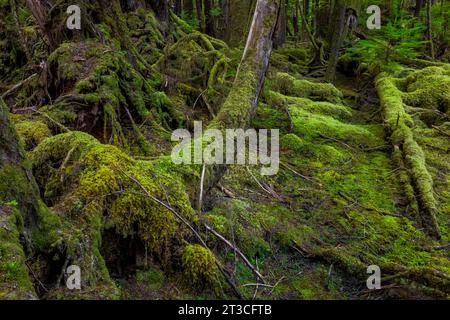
(200, 266)
(429, 91)
(95, 187)
(286, 84)
(32, 133)
(85, 179)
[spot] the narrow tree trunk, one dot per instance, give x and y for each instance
(40, 10)
(295, 18)
(161, 8)
(281, 28)
(209, 23)
(338, 29)
(200, 15)
(429, 29)
(418, 8)
(316, 16)
(305, 21)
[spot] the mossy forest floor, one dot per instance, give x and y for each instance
(364, 179)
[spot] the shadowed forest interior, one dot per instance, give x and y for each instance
(359, 91)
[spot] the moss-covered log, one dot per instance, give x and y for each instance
(400, 124)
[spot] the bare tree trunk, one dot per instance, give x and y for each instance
(429, 29)
(336, 40)
(40, 10)
(161, 8)
(418, 7)
(316, 16)
(209, 19)
(240, 105)
(281, 28)
(295, 18)
(200, 16)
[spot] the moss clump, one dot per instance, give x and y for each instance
(88, 178)
(89, 185)
(288, 85)
(200, 266)
(32, 133)
(337, 110)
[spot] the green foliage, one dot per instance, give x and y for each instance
(394, 43)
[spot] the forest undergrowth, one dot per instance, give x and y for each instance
(86, 176)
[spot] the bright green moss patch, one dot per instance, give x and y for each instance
(199, 265)
(288, 85)
(32, 133)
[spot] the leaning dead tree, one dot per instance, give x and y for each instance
(240, 106)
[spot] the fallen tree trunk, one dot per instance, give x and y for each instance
(399, 123)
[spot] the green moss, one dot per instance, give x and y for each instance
(98, 184)
(288, 85)
(152, 279)
(199, 265)
(32, 133)
(311, 126)
(15, 282)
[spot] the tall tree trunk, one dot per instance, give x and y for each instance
(40, 10)
(240, 15)
(161, 8)
(336, 40)
(305, 21)
(295, 15)
(239, 107)
(316, 16)
(200, 15)
(223, 20)
(281, 28)
(418, 7)
(429, 29)
(209, 23)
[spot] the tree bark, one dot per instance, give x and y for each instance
(429, 29)
(418, 8)
(281, 27)
(40, 10)
(336, 40)
(209, 19)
